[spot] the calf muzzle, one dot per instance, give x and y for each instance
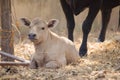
(31, 36)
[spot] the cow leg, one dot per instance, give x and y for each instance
(119, 20)
(86, 27)
(105, 20)
(69, 17)
(70, 26)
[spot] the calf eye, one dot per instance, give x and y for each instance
(42, 28)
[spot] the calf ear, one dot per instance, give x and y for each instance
(53, 23)
(25, 21)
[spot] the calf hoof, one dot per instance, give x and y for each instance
(33, 67)
(52, 65)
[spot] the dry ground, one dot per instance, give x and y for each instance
(102, 63)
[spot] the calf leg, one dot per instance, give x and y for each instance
(105, 20)
(69, 17)
(33, 64)
(61, 61)
(93, 10)
(52, 65)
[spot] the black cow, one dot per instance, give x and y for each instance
(74, 7)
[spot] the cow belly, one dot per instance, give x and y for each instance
(110, 3)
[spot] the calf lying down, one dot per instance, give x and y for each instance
(51, 50)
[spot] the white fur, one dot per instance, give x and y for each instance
(53, 51)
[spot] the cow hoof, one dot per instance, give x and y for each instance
(82, 55)
(83, 52)
(101, 40)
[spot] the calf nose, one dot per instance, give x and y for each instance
(31, 36)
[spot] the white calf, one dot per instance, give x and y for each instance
(51, 50)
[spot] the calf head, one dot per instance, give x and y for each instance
(39, 29)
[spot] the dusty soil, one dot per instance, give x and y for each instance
(102, 63)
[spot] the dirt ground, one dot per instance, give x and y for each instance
(102, 63)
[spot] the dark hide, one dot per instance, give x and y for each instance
(74, 7)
